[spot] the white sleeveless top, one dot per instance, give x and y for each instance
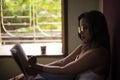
(89, 75)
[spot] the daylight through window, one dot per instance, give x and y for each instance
(32, 21)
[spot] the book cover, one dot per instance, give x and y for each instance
(20, 57)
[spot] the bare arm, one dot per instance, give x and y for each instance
(67, 59)
(87, 61)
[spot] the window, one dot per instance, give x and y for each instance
(32, 22)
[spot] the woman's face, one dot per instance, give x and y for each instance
(84, 31)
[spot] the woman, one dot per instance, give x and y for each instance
(89, 61)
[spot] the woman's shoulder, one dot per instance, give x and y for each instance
(100, 53)
(100, 49)
(97, 52)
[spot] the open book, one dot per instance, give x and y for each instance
(20, 57)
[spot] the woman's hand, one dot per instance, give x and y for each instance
(18, 77)
(33, 67)
(32, 60)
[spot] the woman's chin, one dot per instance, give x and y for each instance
(85, 41)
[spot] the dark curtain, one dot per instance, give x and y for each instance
(112, 13)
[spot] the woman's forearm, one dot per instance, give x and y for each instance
(56, 63)
(54, 69)
(48, 69)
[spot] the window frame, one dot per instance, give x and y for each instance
(65, 27)
(64, 4)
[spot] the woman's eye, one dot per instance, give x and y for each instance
(84, 28)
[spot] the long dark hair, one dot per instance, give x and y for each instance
(98, 27)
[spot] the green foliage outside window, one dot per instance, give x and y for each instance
(45, 14)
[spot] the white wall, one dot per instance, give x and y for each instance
(75, 8)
